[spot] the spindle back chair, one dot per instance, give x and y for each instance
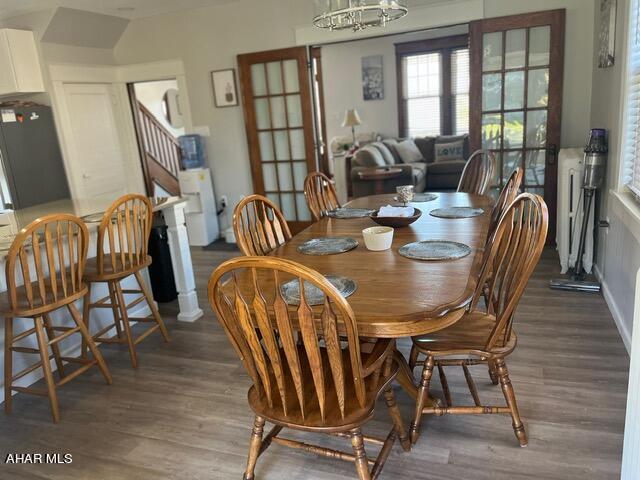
(259, 226)
(123, 238)
(487, 337)
(318, 380)
(478, 172)
(320, 194)
(44, 272)
(508, 194)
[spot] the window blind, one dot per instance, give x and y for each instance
(460, 90)
(422, 80)
(631, 146)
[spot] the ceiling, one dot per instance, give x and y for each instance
(122, 8)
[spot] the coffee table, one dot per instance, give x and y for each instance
(379, 175)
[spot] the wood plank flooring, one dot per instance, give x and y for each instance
(183, 413)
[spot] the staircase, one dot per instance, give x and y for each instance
(160, 150)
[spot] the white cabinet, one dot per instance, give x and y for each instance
(201, 212)
(19, 63)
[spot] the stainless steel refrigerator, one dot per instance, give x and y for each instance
(32, 169)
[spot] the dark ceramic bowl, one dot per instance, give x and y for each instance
(396, 222)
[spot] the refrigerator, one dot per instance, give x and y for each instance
(32, 171)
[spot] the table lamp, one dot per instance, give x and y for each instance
(352, 119)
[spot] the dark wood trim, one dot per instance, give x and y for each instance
(133, 102)
(445, 46)
(316, 53)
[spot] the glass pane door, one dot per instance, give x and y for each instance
(279, 127)
(516, 97)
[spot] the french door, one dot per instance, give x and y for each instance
(516, 97)
(280, 127)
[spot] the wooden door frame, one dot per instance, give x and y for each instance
(556, 20)
(316, 53)
(300, 54)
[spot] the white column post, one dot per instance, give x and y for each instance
(630, 454)
(181, 262)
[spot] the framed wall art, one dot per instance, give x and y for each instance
(225, 93)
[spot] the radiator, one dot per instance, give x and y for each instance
(571, 210)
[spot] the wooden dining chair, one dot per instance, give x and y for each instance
(508, 194)
(480, 337)
(478, 172)
(51, 279)
(320, 194)
(259, 226)
(123, 237)
(317, 381)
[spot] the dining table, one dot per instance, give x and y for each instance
(398, 297)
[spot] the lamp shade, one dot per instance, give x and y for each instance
(351, 118)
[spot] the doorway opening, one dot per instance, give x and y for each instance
(158, 123)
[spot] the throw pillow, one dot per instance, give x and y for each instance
(369, 157)
(386, 153)
(449, 151)
(426, 145)
(408, 152)
(391, 145)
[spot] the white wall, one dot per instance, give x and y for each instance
(618, 247)
(342, 76)
(151, 95)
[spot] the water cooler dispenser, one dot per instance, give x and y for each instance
(196, 186)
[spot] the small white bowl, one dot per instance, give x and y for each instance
(378, 238)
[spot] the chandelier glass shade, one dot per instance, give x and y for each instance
(357, 14)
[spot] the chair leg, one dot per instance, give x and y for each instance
(394, 411)
(510, 397)
(86, 312)
(8, 362)
(152, 306)
(122, 305)
(90, 343)
(46, 368)
(55, 347)
(423, 395)
(362, 465)
(113, 299)
(254, 447)
(413, 357)
(493, 373)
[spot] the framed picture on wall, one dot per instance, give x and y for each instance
(225, 93)
(372, 78)
(606, 54)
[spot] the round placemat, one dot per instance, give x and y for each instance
(435, 250)
(350, 213)
(456, 212)
(420, 198)
(314, 296)
(327, 245)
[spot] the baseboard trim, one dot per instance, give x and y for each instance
(36, 375)
(613, 308)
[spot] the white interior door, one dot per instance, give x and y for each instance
(97, 160)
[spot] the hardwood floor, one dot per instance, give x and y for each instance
(183, 414)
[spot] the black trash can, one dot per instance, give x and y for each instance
(163, 283)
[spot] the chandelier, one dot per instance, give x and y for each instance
(357, 14)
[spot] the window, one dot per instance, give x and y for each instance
(433, 91)
(631, 146)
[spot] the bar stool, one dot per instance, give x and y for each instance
(59, 244)
(123, 236)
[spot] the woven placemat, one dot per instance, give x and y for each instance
(346, 213)
(456, 212)
(420, 198)
(314, 296)
(435, 250)
(327, 245)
